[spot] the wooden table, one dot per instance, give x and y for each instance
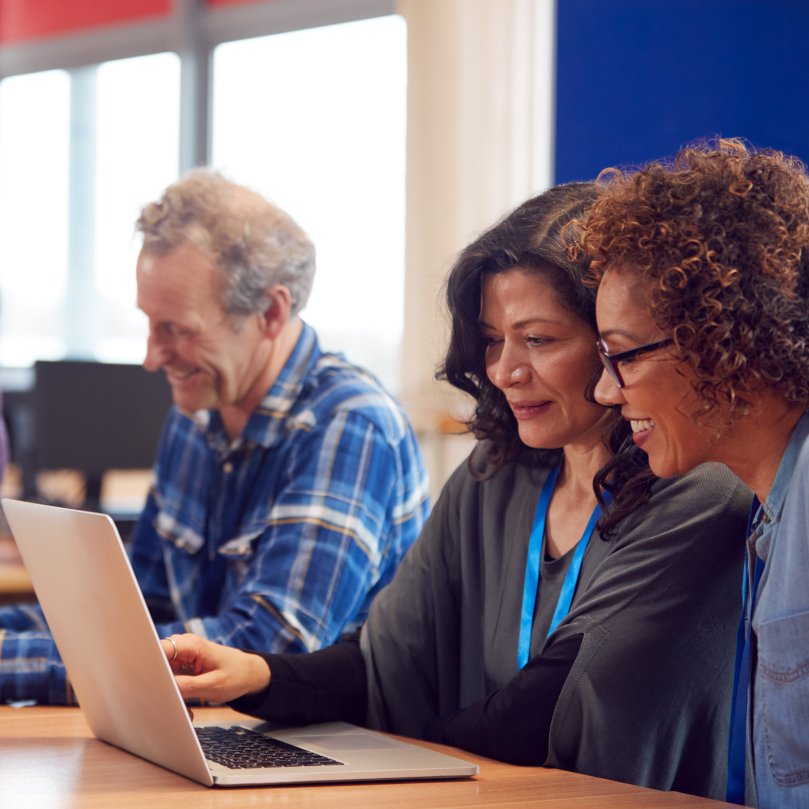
(50, 760)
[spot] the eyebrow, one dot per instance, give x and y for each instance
(628, 335)
(521, 324)
(173, 324)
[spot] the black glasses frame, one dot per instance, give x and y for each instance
(610, 361)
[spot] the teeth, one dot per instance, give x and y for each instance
(638, 425)
(179, 376)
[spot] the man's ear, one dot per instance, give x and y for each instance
(278, 312)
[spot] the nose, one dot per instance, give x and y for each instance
(509, 368)
(607, 391)
(155, 352)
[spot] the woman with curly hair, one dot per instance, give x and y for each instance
(703, 315)
(525, 624)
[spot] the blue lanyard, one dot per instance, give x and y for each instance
(532, 563)
(737, 742)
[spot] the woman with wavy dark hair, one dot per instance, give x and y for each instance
(703, 311)
(525, 624)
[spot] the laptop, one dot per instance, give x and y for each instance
(127, 692)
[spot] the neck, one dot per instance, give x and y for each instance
(754, 445)
(274, 357)
(573, 498)
(579, 467)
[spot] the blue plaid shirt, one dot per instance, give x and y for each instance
(276, 541)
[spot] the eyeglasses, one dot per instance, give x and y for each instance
(611, 361)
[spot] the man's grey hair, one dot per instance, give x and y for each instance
(254, 244)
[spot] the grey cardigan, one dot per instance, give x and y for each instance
(652, 627)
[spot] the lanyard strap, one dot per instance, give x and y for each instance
(737, 741)
(532, 564)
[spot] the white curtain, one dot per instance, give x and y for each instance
(480, 101)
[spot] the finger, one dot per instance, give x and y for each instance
(202, 686)
(169, 648)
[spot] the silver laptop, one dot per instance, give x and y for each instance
(125, 687)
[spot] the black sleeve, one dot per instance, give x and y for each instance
(512, 723)
(323, 686)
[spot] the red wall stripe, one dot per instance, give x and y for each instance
(24, 20)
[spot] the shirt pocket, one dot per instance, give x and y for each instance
(782, 697)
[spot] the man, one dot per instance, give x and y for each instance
(288, 484)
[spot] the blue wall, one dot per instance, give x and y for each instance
(636, 79)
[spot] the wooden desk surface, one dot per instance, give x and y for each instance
(48, 758)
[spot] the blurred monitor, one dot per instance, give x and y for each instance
(96, 416)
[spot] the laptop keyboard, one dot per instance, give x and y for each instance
(240, 748)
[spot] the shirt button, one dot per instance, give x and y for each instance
(227, 467)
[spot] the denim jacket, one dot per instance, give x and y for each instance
(780, 682)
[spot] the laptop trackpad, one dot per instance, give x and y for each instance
(349, 741)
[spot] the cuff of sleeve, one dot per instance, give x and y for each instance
(286, 699)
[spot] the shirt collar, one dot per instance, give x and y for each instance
(266, 424)
(775, 500)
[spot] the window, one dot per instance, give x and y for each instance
(138, 133)
(80, 152)
(34, 157)
(328, 146)
(82, 149)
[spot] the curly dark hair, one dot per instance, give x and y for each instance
(536, 237)
(721, 237)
